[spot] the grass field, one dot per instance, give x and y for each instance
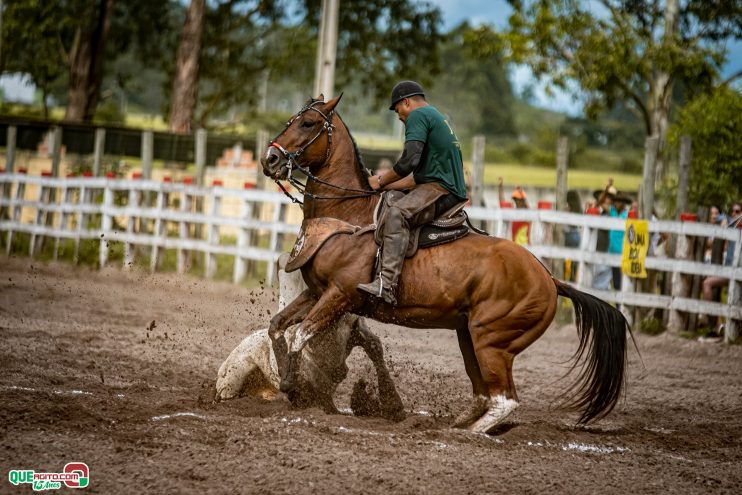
(514, 174)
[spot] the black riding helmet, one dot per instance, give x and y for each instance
(403, 90)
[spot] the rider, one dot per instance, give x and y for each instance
(431, 169)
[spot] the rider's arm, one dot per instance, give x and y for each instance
(408, 161)
(402, 184)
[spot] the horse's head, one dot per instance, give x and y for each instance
(306, 140)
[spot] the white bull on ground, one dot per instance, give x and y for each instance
(251, 367)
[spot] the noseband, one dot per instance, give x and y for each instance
(292, 157)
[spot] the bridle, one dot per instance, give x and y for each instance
(292, 158)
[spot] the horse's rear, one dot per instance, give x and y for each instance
(500, 299)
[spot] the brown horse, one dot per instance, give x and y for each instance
(496, 295)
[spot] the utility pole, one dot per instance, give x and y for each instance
(324, 75)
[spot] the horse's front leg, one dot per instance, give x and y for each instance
(333, 304)
(290, 315)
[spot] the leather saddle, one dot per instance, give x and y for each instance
(447, 227)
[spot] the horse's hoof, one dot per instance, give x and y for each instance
(477, 407)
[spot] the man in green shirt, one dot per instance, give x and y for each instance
(431, 169)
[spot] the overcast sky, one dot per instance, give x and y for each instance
(496, 12)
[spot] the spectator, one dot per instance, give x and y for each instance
(613, 205)
(602, 274)
(712, 283)
(520, 230)
(519, 195)
(619, 209)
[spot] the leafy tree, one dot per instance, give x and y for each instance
(71, 40)
(714, 124)
(474, 88)
(383, 41)
(30, 43)
(246, 41)
(633, 51)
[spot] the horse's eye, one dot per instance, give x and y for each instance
(307, 124)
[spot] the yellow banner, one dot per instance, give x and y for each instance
(635, 246)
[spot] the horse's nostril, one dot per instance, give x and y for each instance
(272, 159)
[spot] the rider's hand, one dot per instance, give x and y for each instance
(374, 182)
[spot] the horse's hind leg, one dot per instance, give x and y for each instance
(390, 402)
(496, 365)
(496, 345)
(480, 400)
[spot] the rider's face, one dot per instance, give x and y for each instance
(403, 109)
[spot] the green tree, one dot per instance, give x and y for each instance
(473, 89)
(73, 40)
(30, 41)
(634, 51)
(714, 123)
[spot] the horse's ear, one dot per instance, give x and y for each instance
(330, 106)
(321, 97)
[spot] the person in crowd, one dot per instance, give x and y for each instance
(710, 284)
(602, 274)
(521, 230)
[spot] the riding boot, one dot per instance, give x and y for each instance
(396, 238)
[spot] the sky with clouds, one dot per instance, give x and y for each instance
(496, 12)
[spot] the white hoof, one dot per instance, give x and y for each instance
(500, 408)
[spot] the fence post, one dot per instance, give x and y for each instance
(41, 218)
(243, 238)
(106, 224)
(100, 146)
(588, 243)
(734, 293)
(646, 201)
(64, 218)
(9, 165)
(279, 216)
(131, 219)
(477, 171)
(147, 153)
(681, 283)
(56, 150)
(212, 234)
(562, 161)
(254, 234)
(10, 148)
(15, 210)
(200, 156)
(186, 206)
(85, 198)
(684, 162)
(158, 232)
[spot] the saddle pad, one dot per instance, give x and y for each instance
(430, 235)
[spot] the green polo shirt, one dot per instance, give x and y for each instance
(441, 158)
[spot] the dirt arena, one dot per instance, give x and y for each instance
(86, 377)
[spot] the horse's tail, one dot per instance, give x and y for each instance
(602, 330)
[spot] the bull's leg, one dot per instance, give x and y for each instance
(290, 315)
(323, 314)
(391, 403)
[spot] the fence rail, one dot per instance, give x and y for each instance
(191, 219)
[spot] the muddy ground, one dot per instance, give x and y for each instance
(85, 376)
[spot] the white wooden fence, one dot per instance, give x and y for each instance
(164, 216)
(152, 214)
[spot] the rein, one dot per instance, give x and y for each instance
(293, 156)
